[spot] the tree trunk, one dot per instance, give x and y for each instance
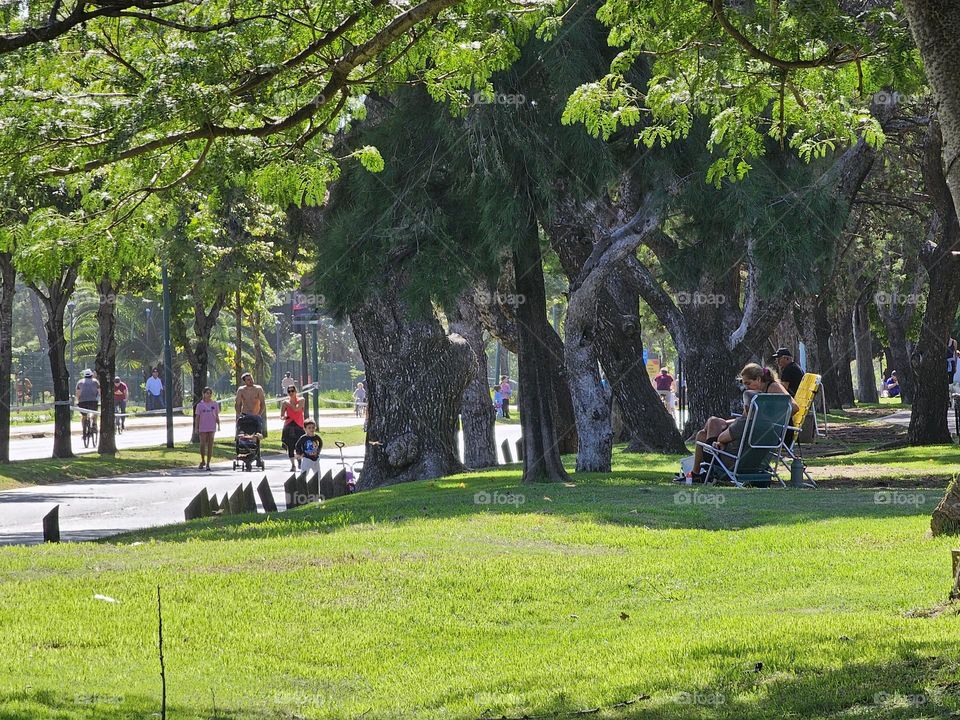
(8, 280)
(568, 440)
(477, 415)
(36, 314)
(590, 405)
(106, 363)
(935, 25)
(928, 416)
(538, 404)
(416, 375)
(825, 362)
(710, 371)
(863, 347)
(198, 353)
(55, 301)
(620, 347)
(841, 337)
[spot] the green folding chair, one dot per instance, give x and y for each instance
(755, 460)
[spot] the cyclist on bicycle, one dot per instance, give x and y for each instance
(88, 398)
(120, 401)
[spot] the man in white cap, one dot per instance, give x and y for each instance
(88, 398)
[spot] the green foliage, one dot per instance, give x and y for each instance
(802, 74)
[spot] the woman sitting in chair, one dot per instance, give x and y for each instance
(719, 432)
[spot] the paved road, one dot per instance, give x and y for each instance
(97, 508)
(902, 418)
(144, 432)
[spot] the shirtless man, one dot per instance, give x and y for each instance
(252, 401)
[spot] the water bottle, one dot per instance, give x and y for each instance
(796, 473)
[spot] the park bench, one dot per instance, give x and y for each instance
(755, 460)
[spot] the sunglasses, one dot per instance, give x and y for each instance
(291, 390)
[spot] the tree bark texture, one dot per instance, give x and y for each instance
(416, 375)
(477, 415)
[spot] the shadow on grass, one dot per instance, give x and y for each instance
(630, 498)
(918, 682)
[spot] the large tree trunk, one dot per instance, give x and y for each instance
(568, 440)
(106, 363)
(55, 301)
(936, 26)
(477, 416)
(590, 403)
(863, 347)
(620, 346)
(416, 375)
(710, 371)
(8, 280)
(928, 417)
(538, 404)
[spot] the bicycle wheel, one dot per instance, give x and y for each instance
(94, 436)
(86, 436)
(119, 427)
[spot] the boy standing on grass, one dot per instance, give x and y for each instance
(206, 421)
(308, 449)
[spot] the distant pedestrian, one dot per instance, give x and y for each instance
(291, 413)
(206, 422)
(951, 359)
(505, 393)
(285, 382)
(664, 384)
(252, 401)
(120, 401)
(498, 401)
(154, 394)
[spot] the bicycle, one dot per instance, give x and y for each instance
(91, 434)
(118, 422)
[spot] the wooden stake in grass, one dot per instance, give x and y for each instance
(955, 592)
(163, 674)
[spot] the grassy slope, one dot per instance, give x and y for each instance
(45, 471)
(417, 602)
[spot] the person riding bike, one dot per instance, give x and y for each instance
(120, 401)
(88, 398)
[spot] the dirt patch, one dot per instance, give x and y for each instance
(867, 482)
(842, 438)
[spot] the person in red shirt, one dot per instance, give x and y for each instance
(120, 401)
(664, 383)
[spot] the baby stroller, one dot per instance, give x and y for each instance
(248, 443)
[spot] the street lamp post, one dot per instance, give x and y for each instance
(167, 354)
(276, 372)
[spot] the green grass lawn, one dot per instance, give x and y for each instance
(45, 471)
(476, 597)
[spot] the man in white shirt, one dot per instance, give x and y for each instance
(154, 391)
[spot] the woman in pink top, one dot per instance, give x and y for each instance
(291, 412)
(206, 421)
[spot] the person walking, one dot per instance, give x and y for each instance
(506, 393)
(120, 401)
(291, 413)
(206, 422)
(154, 396)
(286, 382)
(252, 401)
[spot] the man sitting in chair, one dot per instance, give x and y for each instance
(790, 373)
(721, 432)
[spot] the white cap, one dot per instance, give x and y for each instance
(88, 373)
